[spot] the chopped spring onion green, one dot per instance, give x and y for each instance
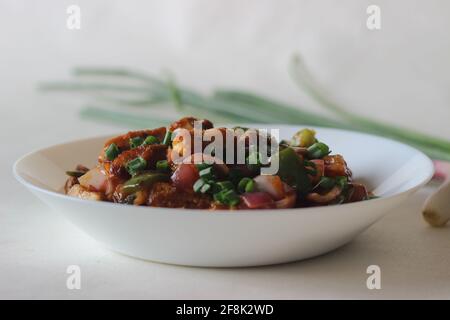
(112, 152)
(151, 140)
(162, 165)
(228, 197)
(318, 150)
(198, 185)
(136, 165)
(167, 138)
(207, 173)
(218, 196)
(136, 142)
(246, 185)
(225, 185)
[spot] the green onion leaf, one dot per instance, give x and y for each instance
(231, 198)
(228, 197)
(229, 106)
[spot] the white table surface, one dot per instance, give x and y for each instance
(397, 74)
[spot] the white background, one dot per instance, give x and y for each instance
(399, 74)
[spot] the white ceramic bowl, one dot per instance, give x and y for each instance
(229, 239)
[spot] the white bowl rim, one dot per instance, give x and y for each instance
(246, 212)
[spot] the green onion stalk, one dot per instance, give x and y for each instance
(117, 92)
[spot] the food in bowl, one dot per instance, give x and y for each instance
(192, 164)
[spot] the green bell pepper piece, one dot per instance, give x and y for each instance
(143, 180)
